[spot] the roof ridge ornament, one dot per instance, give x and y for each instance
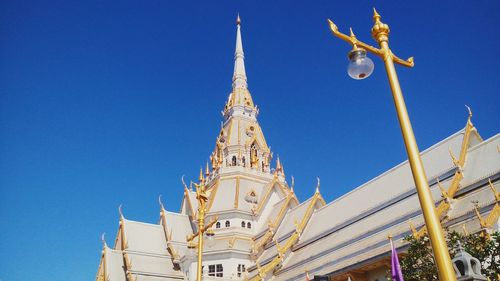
(120, 212)
(162, 208)
(470, 112)
(317, 186)
(201, 178)
(103, 240)
(497, 194)
(207, 171)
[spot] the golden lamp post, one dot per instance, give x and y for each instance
(361, 67)
(202, 198)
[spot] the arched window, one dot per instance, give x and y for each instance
(228, 224)
(249, 225)
(243, 224)
(253, 155)
(234, 161)
(217, 225)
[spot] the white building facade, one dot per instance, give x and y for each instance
(263, 232)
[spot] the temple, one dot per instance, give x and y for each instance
(263, 232)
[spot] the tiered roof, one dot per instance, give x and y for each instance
(346, 237)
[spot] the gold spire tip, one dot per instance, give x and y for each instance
(201, 174)
(376, 15)
(238, 20)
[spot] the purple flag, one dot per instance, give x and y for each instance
(396, 273)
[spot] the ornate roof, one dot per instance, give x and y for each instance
(262, 225)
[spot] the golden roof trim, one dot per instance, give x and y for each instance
(213, 192)
(448, 194)
(292, 240)
(237, 193)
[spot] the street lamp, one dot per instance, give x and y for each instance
(360, 68)
(202, 198)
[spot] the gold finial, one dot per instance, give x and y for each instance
(376, 15)
(207, 171)
(278, 164)
(201, 175)
(354, 41)
(238, 20)
(333, 26)
(380, 30)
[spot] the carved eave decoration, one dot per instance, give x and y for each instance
(275, 182)
(317, 200)
(449, 193)
(121, 241)
(213, 193)
(168, 234)
(187, 199)
(102, 271)
(274, 223)
(492, 218)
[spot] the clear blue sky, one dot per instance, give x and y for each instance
(109, 102)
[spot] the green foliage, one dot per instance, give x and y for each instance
(419, 264)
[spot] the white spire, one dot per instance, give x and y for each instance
(239, 75)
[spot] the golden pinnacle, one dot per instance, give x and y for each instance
(201, 175)
(376, 15)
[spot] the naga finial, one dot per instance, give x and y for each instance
(184, 183)
(161, 204)
(120, 211)
(317, 186)
(470, 111)
(103, 240)
(293, 184)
